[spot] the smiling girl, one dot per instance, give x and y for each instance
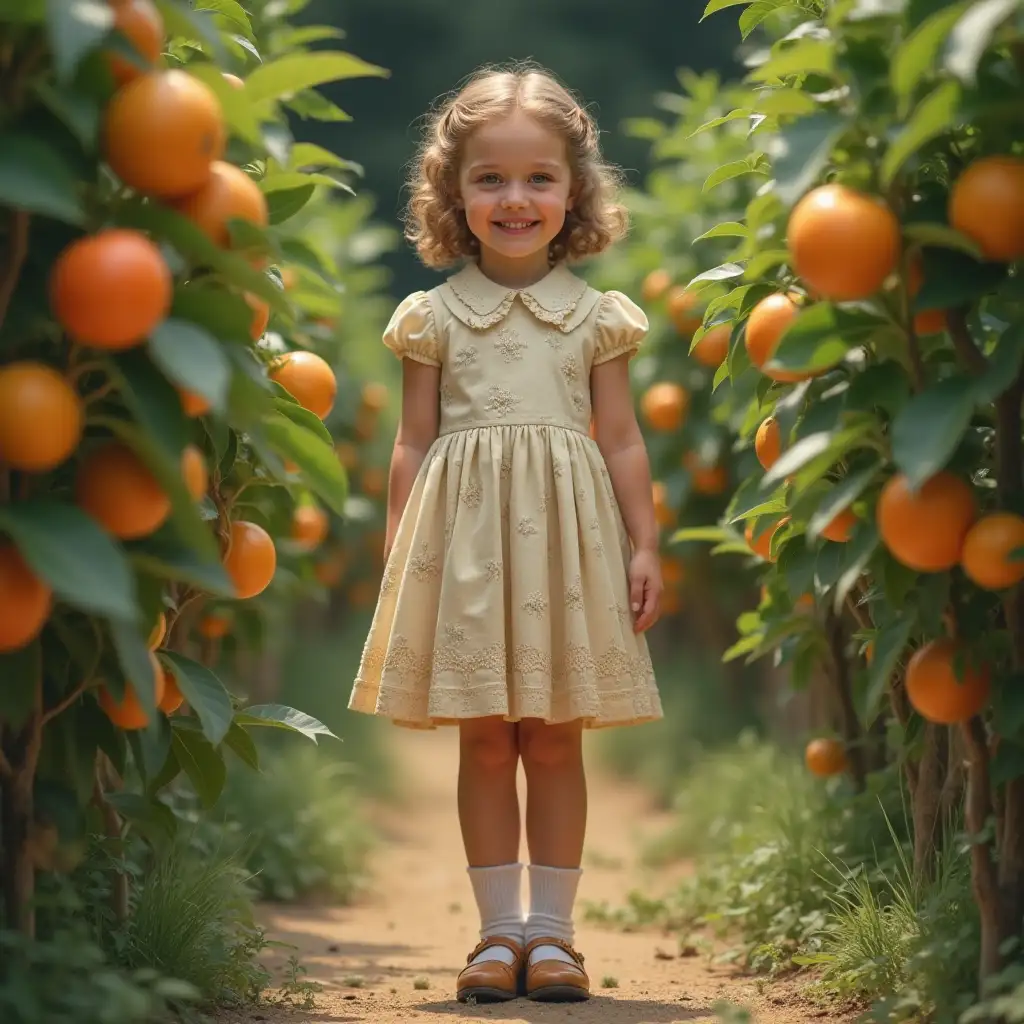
(522, 554)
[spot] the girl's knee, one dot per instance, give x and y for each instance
(489, 744)
(550, 746)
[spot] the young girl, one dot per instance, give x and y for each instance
(522, 566)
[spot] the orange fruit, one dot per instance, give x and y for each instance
(986, 203)
(664, 406)
(762, 544)
(374, 481)
(172, 698)
(141, 24)
(869, 652)
(260, 316)
(158, 633)
(673, 572)
(670, 602)
(707, 480)
(768, 442)
(934, 690)
(109, 290)
(25, 600)
(841, 528)
(128, 713)
(251, 559)
(362, 594)
(162, 132)
(843, 243)
(987, 548)
(233, 80)
(117, 489)
(825, 758)
(41, 417)
(804, 603)
(289, 278)
(712, 349)
(227, 194)
(194, 404)
(309, 526)
(684, 309)
(213, 626)
(928, 321)
(664, 513)
(655, 284)
(768, 322)
(309, 380)
(194, 471)
(374, 396)
(348, 454)
(330, 570)
(926, 530)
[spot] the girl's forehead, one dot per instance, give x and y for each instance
(515, 139)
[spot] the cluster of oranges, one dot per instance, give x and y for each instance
(164, 137)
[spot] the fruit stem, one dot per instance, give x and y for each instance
(963, 343)
(17, 249)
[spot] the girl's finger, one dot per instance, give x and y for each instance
(648, 614)
(636, 594)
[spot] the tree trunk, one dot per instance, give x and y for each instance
(926, 804)
(839, 674)
(19, 876)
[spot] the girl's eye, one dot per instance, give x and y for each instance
(489, 179)
(542, 179)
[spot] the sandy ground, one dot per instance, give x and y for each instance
(393, 958)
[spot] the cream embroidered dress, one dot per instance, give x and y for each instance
(506, 591)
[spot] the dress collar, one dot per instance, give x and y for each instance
(480, 302)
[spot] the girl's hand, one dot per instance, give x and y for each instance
(645, 588)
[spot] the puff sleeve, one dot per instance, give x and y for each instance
(411, 332)
(621, 327)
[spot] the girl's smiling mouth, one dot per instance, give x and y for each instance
(515, 227)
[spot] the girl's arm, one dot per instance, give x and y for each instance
(618, 436)
(417, 431)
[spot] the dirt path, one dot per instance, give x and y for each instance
(393, 959)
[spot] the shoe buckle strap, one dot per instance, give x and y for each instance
(495, 940)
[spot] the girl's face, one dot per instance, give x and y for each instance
(514, 185)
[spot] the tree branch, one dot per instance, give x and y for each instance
(62, 706)
(17, 249)
(6, 770)
(969, 353)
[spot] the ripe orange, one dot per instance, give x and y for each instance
(673, 572)
(825, 758)
(25, 600)
(194, 404)
(712, 349)
(109, 290)
(664, 405)
(260, 316)
(768, 442)
(664, 513)
(762, 545)
(928, 321)
(987, 548)
(374, 396)
(684, 309)
(158, 633)
(986, 203)
(251, 559)
(330, 570)
(934, 690)
(768, 322)
(117, 489)
(128, 713)
(172, 698)
(843, 243)
(362, 594)
(925, 531)
(655, 284)
(162, 132)
(348, 454)
(41, 417)
(227, 194)
(841, 528)
(194, 471)
(214, 626)
(141, 24)
(869, 652)
(309, 526)
(804, 603)
(707, 480)
(374, 481)
(309, 380)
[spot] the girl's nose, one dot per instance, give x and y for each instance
(514, 196)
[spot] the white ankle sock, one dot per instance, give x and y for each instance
(552, 897)
(499, 900)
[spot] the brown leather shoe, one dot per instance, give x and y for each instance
(554, 981)
(491, 981)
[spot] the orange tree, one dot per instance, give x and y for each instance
(873, 302)
(147, 178)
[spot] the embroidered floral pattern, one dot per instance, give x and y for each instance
(501, 401)
(424, 566)
(579, 403)
(493, 571)
(536, 603)
(570, 369)
(526, 527)
(574, 595)
(465, 357)
(471, 494)
(554, 340)
(454, 633)
(509, 344)
(389, 580)
(505, 469)
(446, 396)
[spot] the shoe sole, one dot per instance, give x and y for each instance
(485, 995)
(559, 994)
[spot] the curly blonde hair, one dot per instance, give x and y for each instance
(436, 225)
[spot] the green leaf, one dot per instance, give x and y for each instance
(205, 694)
(202, 763)
(285, 404)
(80, 113)
(972, 35)
(279, 716)
(316, 460)
(1003, 365)
(807, 56)
(841, 497)
(728, 229)
(235, 103)
(833, 444)
(820, 336)
(917, 54)
(726, 172)
(136, 662)
(313, 105)
(289, 75)
(74, 555)
(928, 429)
(288, 202)
(725, 272)
(714, 6)
(149, 817)
(941, 236)
(953, 278)
(758, 12)
(238, 740)
(36, 178)
(192, 359)
(936, 113)
(305, 155)
(163, 554)
(712, 534)
(890, 643)
(75, 27)
(800, 151)
(224, 315)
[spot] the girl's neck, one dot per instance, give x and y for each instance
(520, 273)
